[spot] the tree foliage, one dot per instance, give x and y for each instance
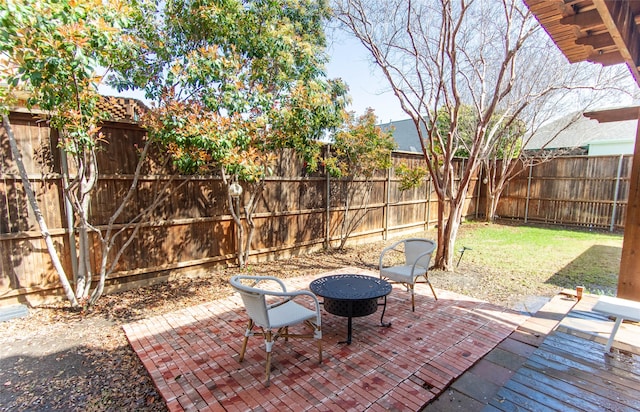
(53, 55)
(509, 132)
(236, 81)
(55, 50)
(410, 177)
(359, 150)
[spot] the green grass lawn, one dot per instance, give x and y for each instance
(552, 256)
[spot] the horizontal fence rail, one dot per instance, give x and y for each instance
(191, 231)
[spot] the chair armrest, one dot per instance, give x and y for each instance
(259, 279)
(389, 249)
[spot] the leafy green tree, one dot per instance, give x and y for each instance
(53, 53)
(500, 159)
(410, 177)
(359, 150)
(236, 81)
(509, 134)
(461, 135)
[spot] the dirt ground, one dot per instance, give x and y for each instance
(58, 359)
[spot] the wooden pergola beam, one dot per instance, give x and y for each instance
(606, 59)
(598, 41)
(588, 20)
(621, 25)
(614, 115)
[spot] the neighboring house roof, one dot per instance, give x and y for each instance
(120, 109)
(580, 133)
(405, 135)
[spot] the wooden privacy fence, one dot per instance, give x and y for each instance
(189, 232)
(585, 191)
(193, 232)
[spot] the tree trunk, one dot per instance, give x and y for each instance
(447, 233)
(83, 283)
(55, 260)
(83, 196)
(239, 233)
(97, 292)
(492, 205)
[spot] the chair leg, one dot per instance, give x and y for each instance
(268, 340)
(432, 290)
(316, 330)
(247, 333)
(413, 298)
(319, 341)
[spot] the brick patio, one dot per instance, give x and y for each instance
(192, 354)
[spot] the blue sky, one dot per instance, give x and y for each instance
(350, 61)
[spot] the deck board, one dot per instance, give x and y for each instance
(570, 373)
(568, 391)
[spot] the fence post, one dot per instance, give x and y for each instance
(615, 195)
(526, 207)
(327, 232)
(387, 196)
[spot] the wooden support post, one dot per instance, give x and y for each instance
(629, 278)
(526, 205)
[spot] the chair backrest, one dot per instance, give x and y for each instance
(254, 301)
(413, 248)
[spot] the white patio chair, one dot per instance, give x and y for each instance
(417, 255)
(273, 311)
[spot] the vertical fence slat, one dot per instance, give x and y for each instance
(526, 205)
(615, 194)
(385, 211)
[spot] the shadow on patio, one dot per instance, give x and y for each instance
(191, 354)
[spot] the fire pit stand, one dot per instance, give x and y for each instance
(352, 296)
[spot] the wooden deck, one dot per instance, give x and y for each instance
(555, 361)
(569, 373)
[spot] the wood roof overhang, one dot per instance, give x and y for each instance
(615, 115)
(599, 31)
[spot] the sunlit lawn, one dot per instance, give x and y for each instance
(566, 257)
(507, 262)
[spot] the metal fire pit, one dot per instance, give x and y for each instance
(352, 296)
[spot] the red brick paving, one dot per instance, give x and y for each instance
(191, 354)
